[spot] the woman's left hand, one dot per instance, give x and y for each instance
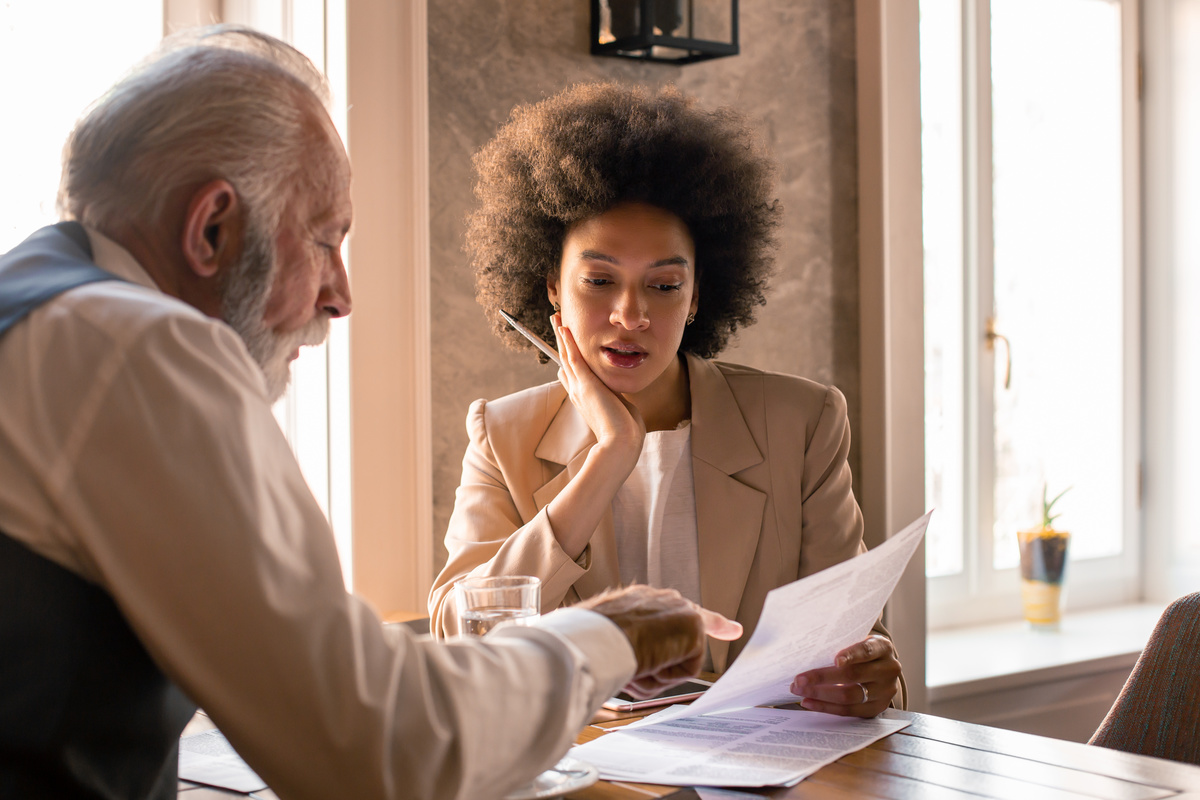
(861, 683)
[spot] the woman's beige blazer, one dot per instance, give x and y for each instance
(773, 493)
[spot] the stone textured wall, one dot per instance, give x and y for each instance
(795, 76)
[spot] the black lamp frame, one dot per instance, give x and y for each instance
(640, 45)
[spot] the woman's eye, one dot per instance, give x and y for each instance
(596, 281)
(668, 287)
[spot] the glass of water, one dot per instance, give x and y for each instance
(488, 602)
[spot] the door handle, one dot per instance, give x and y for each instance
(992, 336)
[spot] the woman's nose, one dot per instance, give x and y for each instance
(630, 311)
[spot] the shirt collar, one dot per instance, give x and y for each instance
(112, 257)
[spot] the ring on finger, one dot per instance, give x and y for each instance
(865, 698)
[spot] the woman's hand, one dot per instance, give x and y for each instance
(615, 422)
(861, 683)
(576, 511)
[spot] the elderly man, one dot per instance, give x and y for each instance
(159, 547)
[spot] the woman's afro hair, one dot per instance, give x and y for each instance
(595, 145)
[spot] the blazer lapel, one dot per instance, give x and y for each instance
(729, 513)
(567, 441)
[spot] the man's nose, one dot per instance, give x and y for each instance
(335, 295)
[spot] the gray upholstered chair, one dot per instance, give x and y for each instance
(1158, 710)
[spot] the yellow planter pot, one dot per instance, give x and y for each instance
(1043, 568)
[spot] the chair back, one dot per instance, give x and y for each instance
(1158, 710)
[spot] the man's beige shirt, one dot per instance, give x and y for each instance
(138, 449)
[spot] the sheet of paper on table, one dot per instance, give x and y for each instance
(210, 759)
(721, 739)
(750, 747)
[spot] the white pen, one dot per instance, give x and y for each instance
(538, 341)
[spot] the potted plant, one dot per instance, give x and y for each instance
(1043, 566)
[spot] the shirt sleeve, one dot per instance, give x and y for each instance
(189, 508)
(490, 534)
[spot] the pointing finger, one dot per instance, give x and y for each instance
(720, 627)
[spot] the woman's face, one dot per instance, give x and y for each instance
(626, 285)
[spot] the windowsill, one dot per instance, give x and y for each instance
(971, 660)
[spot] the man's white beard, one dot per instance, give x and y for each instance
(244, 300)
(273, 351)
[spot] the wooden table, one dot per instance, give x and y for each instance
(936, 758)
(932, 759)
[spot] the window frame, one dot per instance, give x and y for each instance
(1171, 543)
(891, 304)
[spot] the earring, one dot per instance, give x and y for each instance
(690, 319)
(555, 307)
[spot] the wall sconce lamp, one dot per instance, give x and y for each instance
(666, 31)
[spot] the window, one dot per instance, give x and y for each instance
(101, 43)
(314, 414)
(42, 95)
(1032, 299)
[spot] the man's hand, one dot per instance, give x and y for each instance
(666, 630)
(861, 683)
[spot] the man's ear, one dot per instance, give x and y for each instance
(211, 227)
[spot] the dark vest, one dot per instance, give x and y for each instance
(84, 711)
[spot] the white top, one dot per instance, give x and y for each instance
(654, 516)
(138, 449)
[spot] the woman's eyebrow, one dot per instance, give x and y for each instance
(596, 255)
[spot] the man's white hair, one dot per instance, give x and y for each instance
(222, 102)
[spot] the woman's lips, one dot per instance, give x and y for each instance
(625, 359)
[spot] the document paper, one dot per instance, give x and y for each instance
(804, 624)
(210, 759)
(721, 739)
(750, 747)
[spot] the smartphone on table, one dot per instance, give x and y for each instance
(680, 693)
(706, 793)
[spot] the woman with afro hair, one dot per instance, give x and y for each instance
(634, 231)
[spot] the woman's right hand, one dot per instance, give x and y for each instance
(616, 423)
(619, 430)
